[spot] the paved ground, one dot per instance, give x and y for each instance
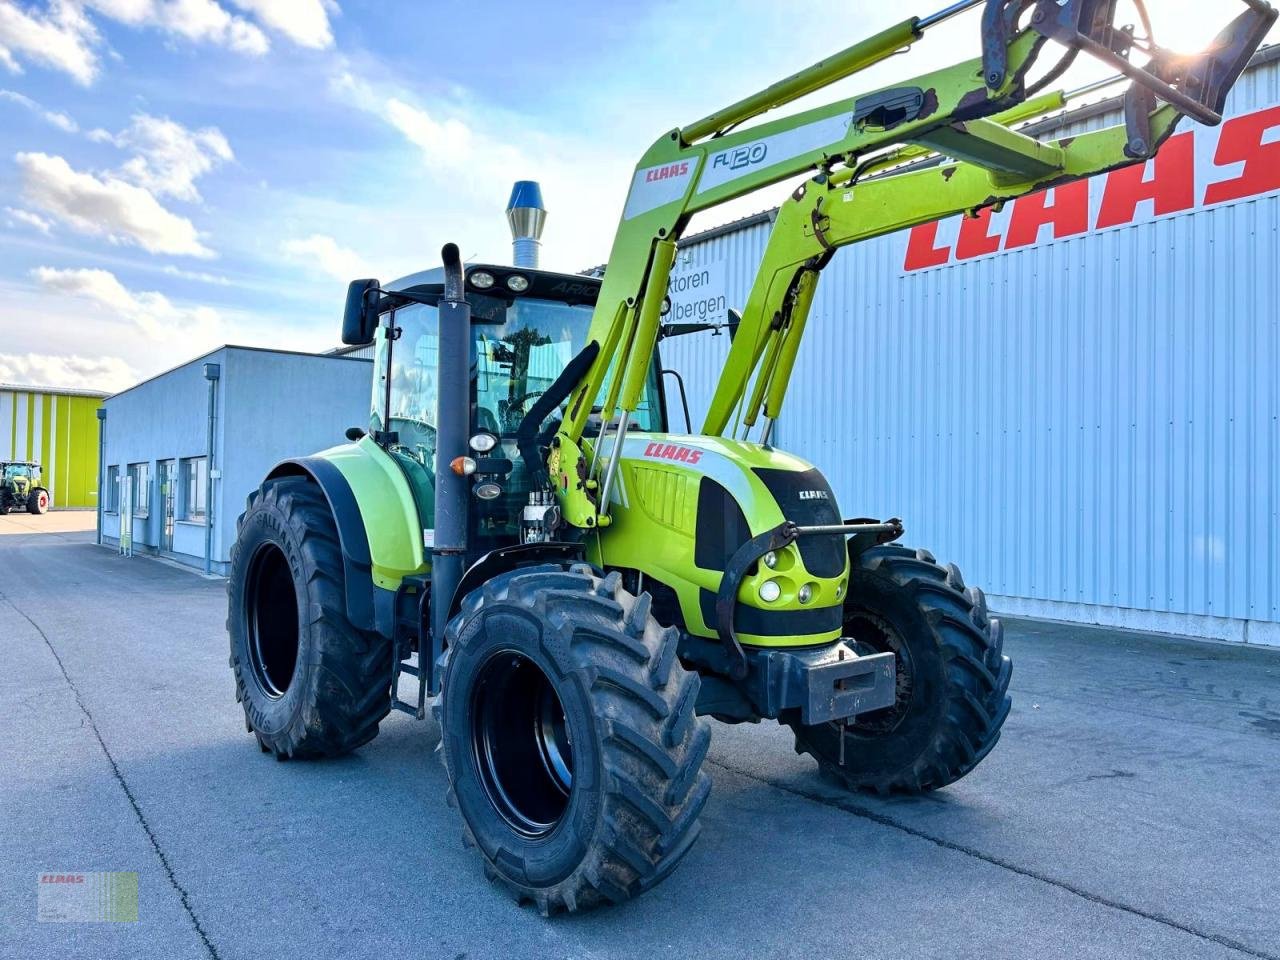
(56, 521)
(1130, 810)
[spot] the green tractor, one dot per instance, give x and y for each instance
(21, 488)
(575, 588)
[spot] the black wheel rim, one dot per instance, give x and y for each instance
(872, 634)
(521, 744)
(272, 621)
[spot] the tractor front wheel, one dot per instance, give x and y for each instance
(569, 737)
(311, 683)
(952, 679)
(38, 502)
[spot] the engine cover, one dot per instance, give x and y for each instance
(682, 505)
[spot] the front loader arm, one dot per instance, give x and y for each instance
(710, 162)
(987, 164)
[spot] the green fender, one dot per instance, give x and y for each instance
(378, 526)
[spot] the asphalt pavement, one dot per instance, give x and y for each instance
(1130, 809)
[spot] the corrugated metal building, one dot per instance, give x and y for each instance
(59, 428)
(1075, 399)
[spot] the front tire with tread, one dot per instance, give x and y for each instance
(953, 678)
(628, 706)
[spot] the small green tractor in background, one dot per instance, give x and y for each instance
(21, 487)
(573, 586)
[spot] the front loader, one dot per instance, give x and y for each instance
(573, 587)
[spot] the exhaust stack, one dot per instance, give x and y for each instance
(527, 216)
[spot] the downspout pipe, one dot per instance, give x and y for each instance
(212, 372)
(102, 466)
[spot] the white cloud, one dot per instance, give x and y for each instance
(154, 314)
(201, 21)
(61, 37)
(106, 207)
(471, 152)
(197, 275)
(305, 22)
(33, 220)
(169, 157)
(85, 373)
(59, 120)
(325, 252)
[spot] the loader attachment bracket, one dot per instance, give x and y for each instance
(1196, 85)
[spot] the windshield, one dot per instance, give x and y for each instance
(518, 348)
(17, 470)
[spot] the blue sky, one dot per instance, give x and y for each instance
(175, 174)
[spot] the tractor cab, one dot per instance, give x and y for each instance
(527, 326)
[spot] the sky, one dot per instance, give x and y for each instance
(179, 174)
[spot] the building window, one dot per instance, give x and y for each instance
(113, 490)
(195, 484)
(140, 484)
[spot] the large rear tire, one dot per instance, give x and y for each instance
(952, 677)
(311, 683)
(38, 502)
(569, 737)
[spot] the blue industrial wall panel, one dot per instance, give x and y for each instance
(1093, 421)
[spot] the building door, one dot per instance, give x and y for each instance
(168, 500)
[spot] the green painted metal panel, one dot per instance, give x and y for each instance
(61, 432)
(31, 421)
(387, 507)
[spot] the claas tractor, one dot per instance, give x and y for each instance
(21, 487)
(574, 588)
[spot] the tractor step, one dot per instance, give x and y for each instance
(409, 708)
(413, 669)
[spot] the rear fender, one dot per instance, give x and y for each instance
(378, 525)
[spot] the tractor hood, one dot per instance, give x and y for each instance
(683, 505)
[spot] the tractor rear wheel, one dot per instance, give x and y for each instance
(952, 678)
(569, 737)
(311, 683)
(38, 502)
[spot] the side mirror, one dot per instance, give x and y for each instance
(360, 318)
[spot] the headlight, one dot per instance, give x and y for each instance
(482, 280)
(488, 491)
(770, 591)
(517, 283)
(807, 591)
(770, 559)
(483, 442)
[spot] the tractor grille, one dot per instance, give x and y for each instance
(806, 499)
(722, 526)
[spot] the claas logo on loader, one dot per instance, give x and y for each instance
(667, 172)
(672, 451)
(1196, 169)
